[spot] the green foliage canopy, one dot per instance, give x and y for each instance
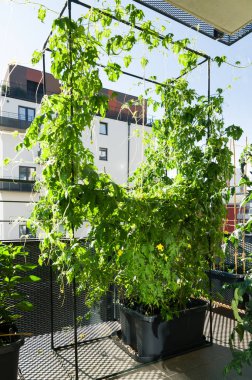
(152, 239)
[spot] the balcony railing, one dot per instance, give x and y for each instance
(7, 184)
(12, 120)
(20, 91)
(241, 216)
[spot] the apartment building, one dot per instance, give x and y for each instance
(115, 141)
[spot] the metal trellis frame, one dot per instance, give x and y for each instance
(205, 58)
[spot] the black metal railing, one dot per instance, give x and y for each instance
(16, 185)
(38, 321)
(12, 120)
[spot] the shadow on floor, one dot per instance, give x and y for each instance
(204, 364)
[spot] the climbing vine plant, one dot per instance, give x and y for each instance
(152, 239)
(173, 214)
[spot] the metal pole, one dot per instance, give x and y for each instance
(210, 291)
(211, 302)
(50, 268)
(75, 331)
(51, 305)
(128, 161)
(235, 207)
(208, 94)
(69, 6)
(209, 237)
(44, 75)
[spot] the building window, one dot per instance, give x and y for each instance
(103, 128)
(25, 232)
(35, 88)
(25, 113)
(27, 173)
(103, 154)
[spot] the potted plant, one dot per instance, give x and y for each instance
(167, 230)
(13, 274)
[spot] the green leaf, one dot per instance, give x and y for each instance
(41, 13)
(236, 311)
(234, 131)
(34, 278)
(24, 306)
(6, 161)
(220, 60)
(25, 267)
(113, 71)
(19, 147)
(144, 62)
(127, 60)
(36, 57)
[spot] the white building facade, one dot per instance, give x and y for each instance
(116, 142)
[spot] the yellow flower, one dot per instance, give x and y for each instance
(160, 247)
(119, 252)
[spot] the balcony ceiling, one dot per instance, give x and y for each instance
(224, 20)
(228, 16)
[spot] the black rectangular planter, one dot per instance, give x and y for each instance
(153, 338)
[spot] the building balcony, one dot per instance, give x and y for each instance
(8, 184)
(13, 121)
(20, 91)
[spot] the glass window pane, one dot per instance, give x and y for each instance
(22, 172)
(22, 230)
(22, 113)
(30, 114)
(25, 113)
(103, 154)
(30, 175)
(103, 128)
(26, 173)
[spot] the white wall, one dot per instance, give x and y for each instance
(117, 144)
(8, 143)
(11, 105)
(15, 206)
(13, 213)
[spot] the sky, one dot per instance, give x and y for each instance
(22, 33)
